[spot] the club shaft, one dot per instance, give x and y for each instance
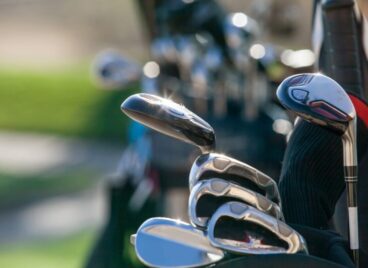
(351, 179)
(352, 201)
(351, 190)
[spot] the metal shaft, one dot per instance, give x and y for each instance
(351, 180)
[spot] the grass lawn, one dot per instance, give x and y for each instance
(26, 189)
(60, 102)
(68, 252)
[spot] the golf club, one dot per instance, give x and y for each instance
(115, 71)
(239, 228)
(163, 242)
(234, 171)
(207, 195)
(322, 101)
(171, 119)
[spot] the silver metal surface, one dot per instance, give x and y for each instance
(163, 242)
(349, 140)
(323, 88)
(223, 189)
(229, 167)
(253, 245)
(170, 118)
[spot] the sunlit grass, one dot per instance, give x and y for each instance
(16, 190)
(60, 102)
(70, 252)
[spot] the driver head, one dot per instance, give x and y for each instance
(171, 119)
(317, 99)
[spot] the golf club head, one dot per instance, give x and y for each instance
(171, 119)
(232, 170)
(242, 229)
(113, 70)
(318, 99)
(208, 195)
(163, 242)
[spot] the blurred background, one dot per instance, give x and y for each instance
(60, 134)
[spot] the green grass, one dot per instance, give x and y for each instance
(16, 190)
(60, 102)
(70, 252)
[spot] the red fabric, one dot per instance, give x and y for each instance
(361, 109)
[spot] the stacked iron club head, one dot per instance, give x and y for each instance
(237, 228)
(235, 171)
(162, 242)
(207, 195)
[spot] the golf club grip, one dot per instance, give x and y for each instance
(341, 44)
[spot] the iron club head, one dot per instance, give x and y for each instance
(163, 242)
(239, 228)
(207, 195)
(171, 119)
(232, 170)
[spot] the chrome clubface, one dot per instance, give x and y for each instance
(318, 99)
(162, 242)
(234, 171)
(241, 229)
(171, 119)
(208, 195)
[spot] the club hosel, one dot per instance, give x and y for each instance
(349, 148)
(208, 149)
